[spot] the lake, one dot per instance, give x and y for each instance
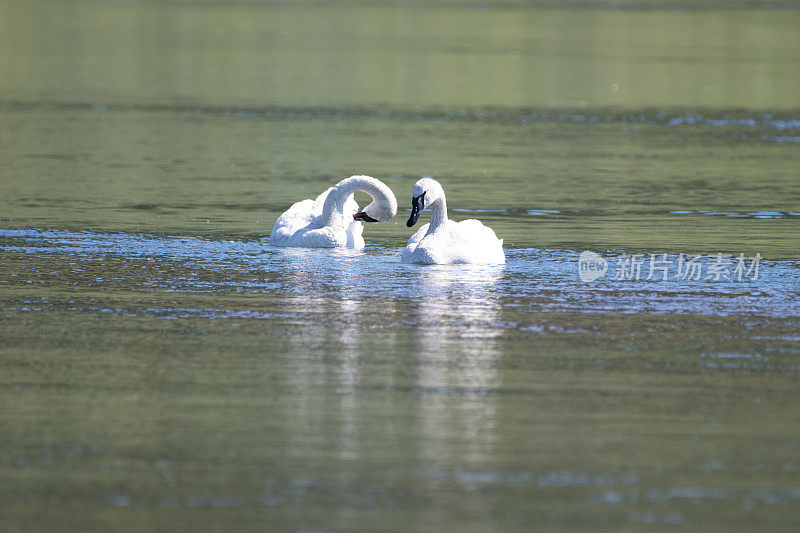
(163, 367)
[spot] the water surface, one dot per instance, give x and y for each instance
(163, 367)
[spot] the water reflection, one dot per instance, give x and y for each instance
(454, 336)
(449, 342)
(331, 346)
(371, 379)
(455, 313)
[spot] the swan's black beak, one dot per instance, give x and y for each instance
(417, 205)
(361, 215)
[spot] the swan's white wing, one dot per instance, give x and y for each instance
(472, 242)
(298, 216)
(468, 241)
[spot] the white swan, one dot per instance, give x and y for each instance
(333, 219)
(444, 241)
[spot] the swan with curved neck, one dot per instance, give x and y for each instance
(444, 241)
(333, 219)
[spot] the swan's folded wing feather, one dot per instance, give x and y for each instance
(466, 242)
(299, 215)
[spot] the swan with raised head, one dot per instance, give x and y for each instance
(444, 241)
(333, 220)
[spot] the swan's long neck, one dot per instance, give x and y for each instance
(333, 208)
(438, 214)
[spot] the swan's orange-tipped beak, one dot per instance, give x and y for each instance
(361, 215)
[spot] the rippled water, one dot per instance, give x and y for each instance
(162, 367)
(550, 278)
(350, 386)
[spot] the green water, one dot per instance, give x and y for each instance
(162, 368)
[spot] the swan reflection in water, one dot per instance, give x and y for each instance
(334, 339)
(361, 347)
(455, 336)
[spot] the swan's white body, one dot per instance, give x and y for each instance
(445, 241)
(332, 220)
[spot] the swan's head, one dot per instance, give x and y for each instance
(383, 206)
(424, 193)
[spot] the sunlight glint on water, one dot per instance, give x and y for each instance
(162, 367)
